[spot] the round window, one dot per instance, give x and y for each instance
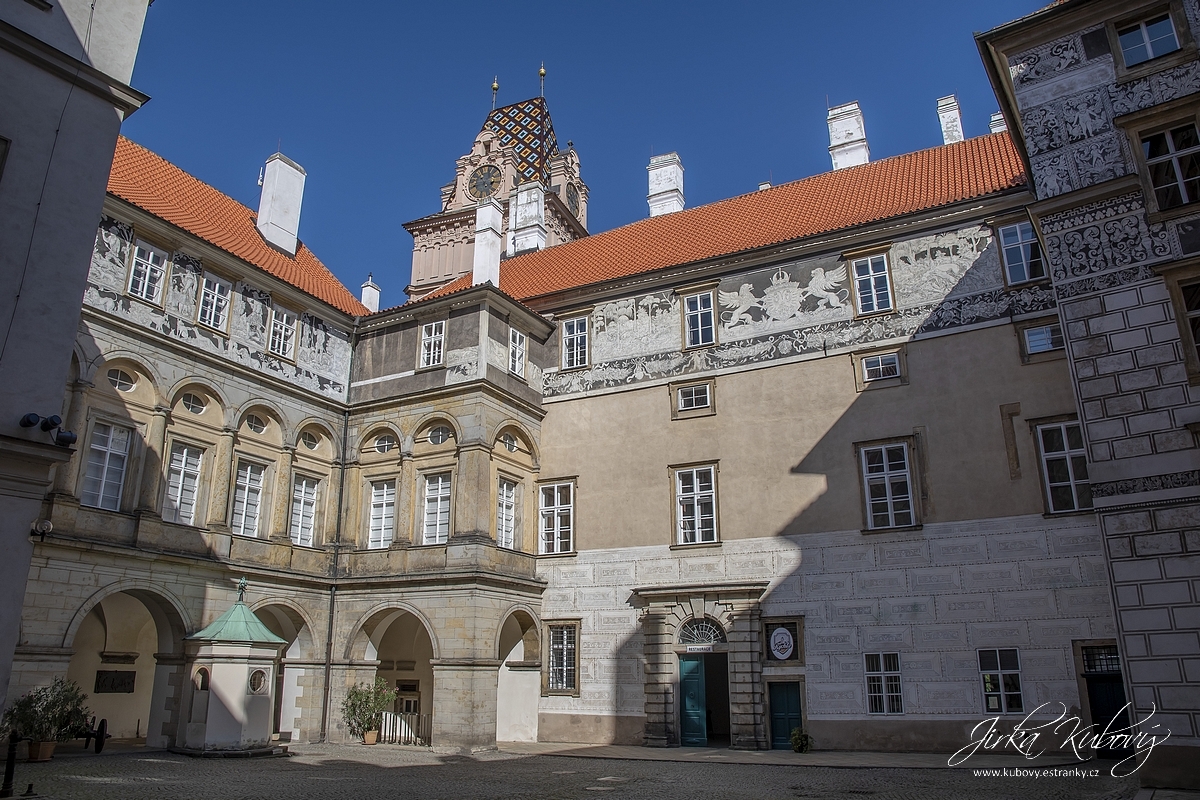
(194, 403)
(258, 682)
(255, 423)
(440, 435)
(309, 440)
(509, 441)
(385, 443)
(121, 380)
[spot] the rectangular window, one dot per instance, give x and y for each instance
(556, 518)
(1043, 339)
(214, 302)
(1001, 674)
(1147, 39)
(1191, 306)
(506, 514)
(105, 476)
(516, 352)
(1064, 466)
(304, 510)
(693, 397)
(563, 666)
(881, 367)
(146, 277)
(575, 343)
(183, 479)
(283, 332)
(696, 504)
(433, 340)
(436, 529)
(383, 514)
(1022, 253)
(871, 289)
(888, 486)
(1173, 165)
(698, 317)
(883, 683)
(247, 498)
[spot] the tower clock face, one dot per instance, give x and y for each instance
(573, 199)
(484, 182)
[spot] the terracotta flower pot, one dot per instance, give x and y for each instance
(370, 737)
(41, 751)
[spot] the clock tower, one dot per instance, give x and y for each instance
(515, 150)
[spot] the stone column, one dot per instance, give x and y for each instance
(464, 704)
(283, 495)
(218, 505)
(152, 460)
(473, 496)
(65, 474)
(659, 679)
(405, 512)
(746, 729)
(162, 727)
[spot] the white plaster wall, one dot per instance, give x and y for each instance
(517, 700)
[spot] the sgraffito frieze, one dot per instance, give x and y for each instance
(1048, 60)
(1111, 234)
(111, 254)
(1102, 282)
(184, 286)
(1151, 483)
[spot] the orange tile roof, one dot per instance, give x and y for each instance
(820, 204)
(158, 187)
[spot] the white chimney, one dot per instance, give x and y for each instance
(951, 119)
(997, 123)
(489, 219)
(666, 184)
(370, 294)
(529, 221)
(847, 136)
(764, 185)
(279, 203)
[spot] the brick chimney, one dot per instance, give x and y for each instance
(950, 118)
(666, 184)
(847, 136)
(279, 203)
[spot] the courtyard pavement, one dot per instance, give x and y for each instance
(322, 771)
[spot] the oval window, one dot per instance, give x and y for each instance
(258, 681)
(385, 443)
(121, 380)
(509, 441)
(440, 435)
(194, 403)
(255, 423)
(309, 440)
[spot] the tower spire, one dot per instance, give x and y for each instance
(542, 78)
(495, 88)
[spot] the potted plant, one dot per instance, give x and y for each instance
(364, 706)
(48, 715)
(801, 741)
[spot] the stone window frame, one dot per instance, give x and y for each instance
(422, 473)
(861, 384)
(1156, 119)
(262, 520)
(851, 257)
(1183, 35)
(1034, 425)
(229, 283)
(1016, 218)
(135, 453)
(684, 293)
(1176, 276)
(548, 625)
(368, 495)
(1024, 325)
(141, 239)
(883, 673)
(917, 481)
(518, 511)
(769, 623)
(319, 498)
(690, 413)
(674, 470)
(203, 483)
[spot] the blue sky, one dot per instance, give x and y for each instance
(377, 99)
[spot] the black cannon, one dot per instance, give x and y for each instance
(98, 732)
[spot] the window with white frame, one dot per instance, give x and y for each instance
(1022, 253)
(436, 528)
(516, 352)
(247, 498)
(214, 302)
(1147, 39)
(433, 344)
(506, 513)
(1173, 165)
(872, 290)
(883, 683)
(1064, 466)
(881, 367)
(1000, 671)
(556, 513)
(563, 658)
(383, 514)
(304, 510)
(693, 397)
(283, 332)
(696, 504)
(698, 319)
(1043, 338)
(1191, 306)
(888, 485)
(183, 481)
(108, 455)
(575, 343)
(149, 269)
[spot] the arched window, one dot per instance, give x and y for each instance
(701, 631)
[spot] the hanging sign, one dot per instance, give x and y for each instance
(782, 643)
(699, 648)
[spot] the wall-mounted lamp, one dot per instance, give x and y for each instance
(51, 423)
(40, 528)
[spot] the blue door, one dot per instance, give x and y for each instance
(785, 714)
(692, 710)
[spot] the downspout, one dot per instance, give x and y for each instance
(337, 545)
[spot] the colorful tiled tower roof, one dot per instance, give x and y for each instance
(526, 127)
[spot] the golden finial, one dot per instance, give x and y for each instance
(495, 88)
(542, 77)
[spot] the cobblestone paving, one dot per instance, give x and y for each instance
(319, 772)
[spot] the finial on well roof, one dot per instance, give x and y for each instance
(542, 78)
(242, 589)
(495, 88)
